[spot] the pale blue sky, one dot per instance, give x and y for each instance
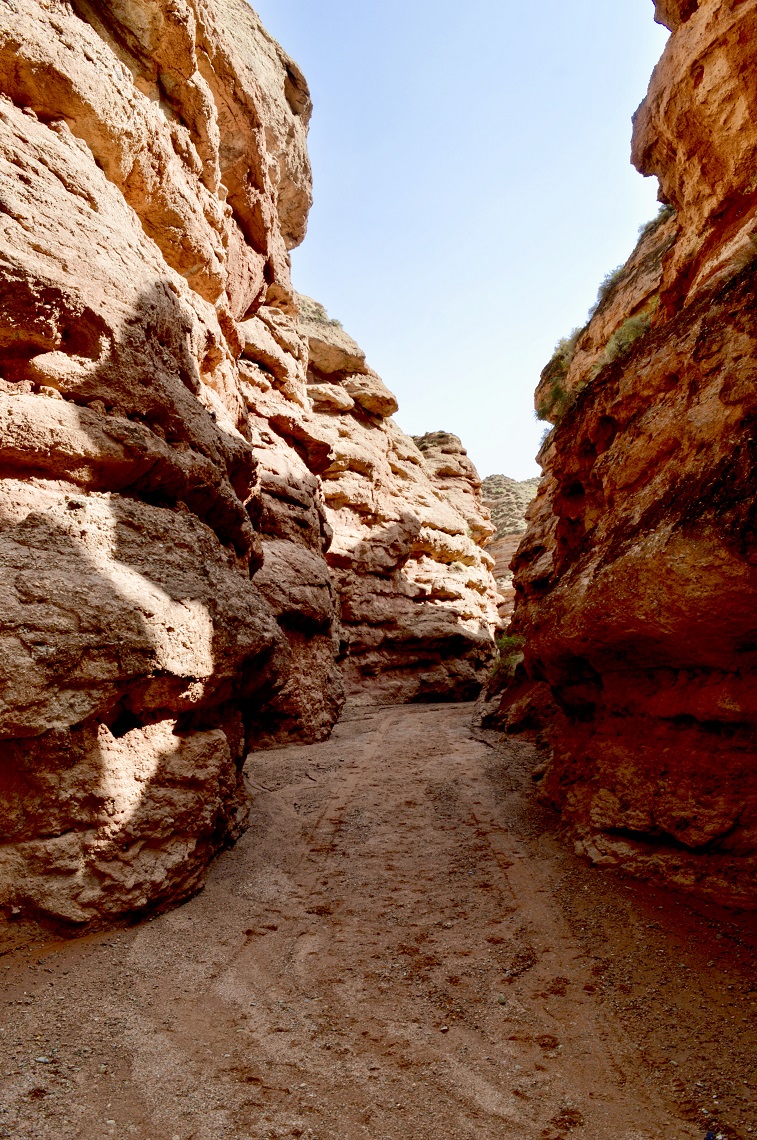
(472, 187)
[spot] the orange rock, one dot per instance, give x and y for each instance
(145, 210)
(416, 594)
(179, 448)
(695, 131)
(636, 581)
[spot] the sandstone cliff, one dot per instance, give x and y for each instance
(417, 597)
(166, 602)
(637, 580)
(153, 172)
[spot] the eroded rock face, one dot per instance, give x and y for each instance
(153, 173)
(695, 132)
(673, 13)
(417, 597)
(637, 579)
(169, 422)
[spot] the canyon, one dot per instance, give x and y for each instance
(212, 529)
(465, 767)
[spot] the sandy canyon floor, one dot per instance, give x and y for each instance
(398, 947)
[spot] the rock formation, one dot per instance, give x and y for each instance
(417, 598)
(166, 433)
(507, 501)
(637, 580)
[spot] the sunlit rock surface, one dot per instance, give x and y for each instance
(168, 599)
(417, 597)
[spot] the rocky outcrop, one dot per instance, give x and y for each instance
(166, 435)
(637, 580)
(417, 598)
(507, 501)
(153, 173)
(456, 477)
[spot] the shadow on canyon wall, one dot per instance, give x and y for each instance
(136, 649)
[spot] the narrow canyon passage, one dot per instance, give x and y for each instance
(395, 948)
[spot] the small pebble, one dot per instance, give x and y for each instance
(444, 1029)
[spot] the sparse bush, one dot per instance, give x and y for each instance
(554, 403)
(557, 401)
(609, 282)
(565, 350)
(624, 338)
(613, 279)
(510, 643)
(311, 310)
(654, 223)
(557, 397)
(509, 657)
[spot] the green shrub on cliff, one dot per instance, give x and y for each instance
(553, 402)
(555, 397)
(565, 350)
(626, 336)
(623, 339)
(654, 223)
(609, 283)
(311, 310)
(509, 657)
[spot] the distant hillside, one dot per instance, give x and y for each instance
(507, 500)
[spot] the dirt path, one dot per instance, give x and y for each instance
(395, 949)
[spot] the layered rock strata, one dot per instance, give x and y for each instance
(166, 602)
(637, 579)
(417, 597)
(153, 172)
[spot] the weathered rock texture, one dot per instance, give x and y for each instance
(153, 171)
(507, 501)
(417, 597)
(637, 580)
(165, 599)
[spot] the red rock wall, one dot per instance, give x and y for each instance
(637, 579)
(166, 602)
